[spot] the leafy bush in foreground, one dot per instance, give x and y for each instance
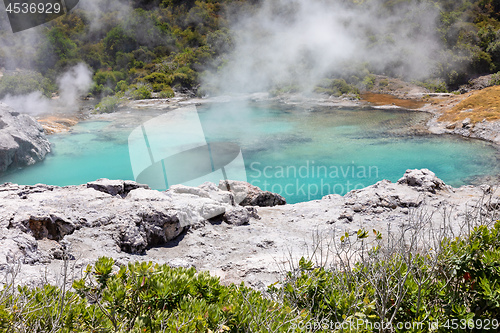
(453, 288)
(456, 288)
(143, 297)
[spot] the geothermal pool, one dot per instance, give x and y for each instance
(301, 154)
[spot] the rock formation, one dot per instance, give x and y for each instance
(22, 139)
(204, 227)
(250, 195)
(128, 215)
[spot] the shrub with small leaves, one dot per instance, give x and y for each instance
(495, 79)
(151, 298)
(108, 104)
(141, 91)
(473, 267)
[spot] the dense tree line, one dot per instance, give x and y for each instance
(165, 44)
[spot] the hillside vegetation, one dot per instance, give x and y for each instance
(166, 45)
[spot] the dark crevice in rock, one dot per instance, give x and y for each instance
(115, 187)
(217, 220)
(52, 227)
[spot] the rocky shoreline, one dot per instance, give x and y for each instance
(405, 97)
(392, 94)
(22, 140)
(204, 226)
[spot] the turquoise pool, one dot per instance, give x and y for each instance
(301, 154)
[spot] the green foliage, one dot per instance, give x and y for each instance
(336, 87)
(117, 41)
(108, 104)
(150, 298)
(25, 82)
(368, 82)
(437, 86)
(141, 91)
(57, 50)
(473, 265)
(43, 309)
(159, 82)
(460, 283)
(185, 35)
(105, 82)
(495, 79)
(156, 78)
(108, 78)
(181, 39)
(166, 92)
(122, 86)
(471, 32)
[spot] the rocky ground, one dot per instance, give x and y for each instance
(468, 123)
(205, 227)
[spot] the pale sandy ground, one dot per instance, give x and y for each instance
(258, 252)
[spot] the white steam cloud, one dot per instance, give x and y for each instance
(72, 84)
(97, 12)
(302, 41)
(33, 103)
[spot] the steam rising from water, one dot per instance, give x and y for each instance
(302, 41)
(72, 84)
(33, 103)
(281, 42)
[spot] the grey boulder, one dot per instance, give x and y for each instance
(249, 195)
(22, 139)
(423, 180)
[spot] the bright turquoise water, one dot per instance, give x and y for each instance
(300, 154)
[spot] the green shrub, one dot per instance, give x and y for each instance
(336, 87)
(43, 309)
(142, 91)
(458, 283)
(433, 85)
(122, 86)
(108, 104)
(184, 76)
(369, 81)
(167, 92)
(473, 267)
(149, 297)
(158, 81)
(105, 82)
(495, 79)
(156, 78)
